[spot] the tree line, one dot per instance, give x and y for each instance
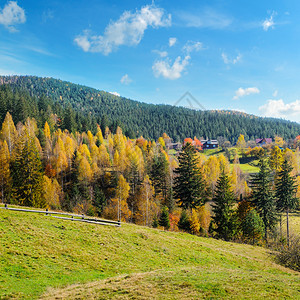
(137, 180)
(80, 108)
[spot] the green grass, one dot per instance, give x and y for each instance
(247, 168)
(44, 256)
(294, 223)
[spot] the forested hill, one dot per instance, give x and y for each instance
(84, 107)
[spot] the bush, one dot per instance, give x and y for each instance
(290, 256)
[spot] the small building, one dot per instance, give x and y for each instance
(175, 146)
(263, 141)
(210, 144)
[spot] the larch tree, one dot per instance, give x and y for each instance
(9, 132)
(241, 143)
(276, 159)
(27, 173)
(145, 204)
(286, 189)
(5, 178)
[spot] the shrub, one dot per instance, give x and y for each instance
(290, 256)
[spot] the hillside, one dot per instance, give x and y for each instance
(149, 120)
(41, 256)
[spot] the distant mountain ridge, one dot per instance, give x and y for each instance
(152, 120)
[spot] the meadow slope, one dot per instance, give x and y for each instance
(43, 257)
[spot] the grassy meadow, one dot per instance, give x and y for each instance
(47, 258)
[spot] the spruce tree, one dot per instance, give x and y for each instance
(164, 220)
(223, 202)
(184, 223)
(189, 185)
(252, 226)
(286, 189)
(263, 196)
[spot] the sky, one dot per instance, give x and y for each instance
(212, 54)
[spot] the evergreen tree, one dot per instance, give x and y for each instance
(252, 226)
(99, 200)
(155, 222)
(262, 195)
(164, 220)
(223, 202)
(27, 174)
(69, 120)
(159, 175)
(189, 185)
(286, 189)
(184, 223)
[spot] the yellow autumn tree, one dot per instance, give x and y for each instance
(47, 131)
(9, 132)
(204, 217)
(118, 206)
(85, 173)
(276, 159)
(52, 193)
(212, 171)
(104, 159)
(146, 205)
(241, 143)
(99, 135)
(290, 156)
(194, 222)
(279, 142)
(5, 179)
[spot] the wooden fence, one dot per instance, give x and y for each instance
(67, 216)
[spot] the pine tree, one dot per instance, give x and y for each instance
(263, 196)
(286, 189)
(189, 183)
(164, 220)
(223, 202)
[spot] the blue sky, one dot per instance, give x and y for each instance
(241, 55)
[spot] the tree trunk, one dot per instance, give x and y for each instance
(280, 226)
(287, 228)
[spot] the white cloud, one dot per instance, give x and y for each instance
(161, 53)
(127, 30)
(172, 41)
(206, 19)
(279, 109)
(245, 92)
(11, 15)
(126, 79)
(115, 93)
(83, 41)
(166, 69)
(228, 60)
(191, 46)
(268, 23)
